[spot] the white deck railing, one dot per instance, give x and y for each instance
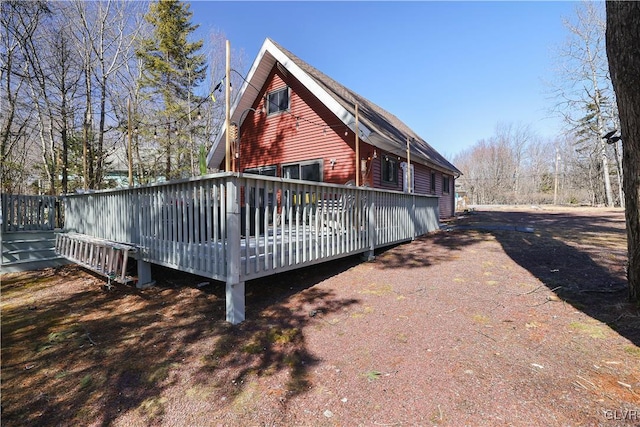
(29, 213)
(237, 227)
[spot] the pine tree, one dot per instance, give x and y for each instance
(171, 70)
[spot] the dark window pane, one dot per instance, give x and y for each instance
(389, 169)
(311, 172)
(278, 101)
(291, 172)
(283, 103)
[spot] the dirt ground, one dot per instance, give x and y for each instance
(508, 316)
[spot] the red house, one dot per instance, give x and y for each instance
(291, 120)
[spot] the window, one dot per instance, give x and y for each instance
(389, 170)
(308, 171)
(445, 185)
(262, 170)
(433, 182)
(278, 101)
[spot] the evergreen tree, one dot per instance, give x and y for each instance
(172, 68)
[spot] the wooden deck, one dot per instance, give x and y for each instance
(237, 227)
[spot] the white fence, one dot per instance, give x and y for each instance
(237, 227)
(30, 213)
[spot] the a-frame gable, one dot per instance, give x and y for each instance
(267, 58)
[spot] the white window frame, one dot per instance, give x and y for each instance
(320, 162)
(278, 111)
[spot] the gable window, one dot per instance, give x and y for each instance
(308, 171)
(433, 182)
(389, 170)
(445, 185)
(278, 101)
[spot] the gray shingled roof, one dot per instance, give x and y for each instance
(373, 116)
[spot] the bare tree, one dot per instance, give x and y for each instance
(586, 96)
(21, 22)
(623, 49)
(105, 33)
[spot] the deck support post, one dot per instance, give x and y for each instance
(235, 296)
(235, 302)
(144, 275)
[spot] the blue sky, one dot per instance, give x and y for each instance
(449, 70)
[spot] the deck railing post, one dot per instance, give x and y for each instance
(372, 233)
(412, 213)
(144, 267)
(235, 297)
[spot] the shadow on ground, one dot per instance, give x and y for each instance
(581, 257)
(88, 353)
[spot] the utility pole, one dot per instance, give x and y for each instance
(227, 112)
(555, 186)
(357, 150)
(409, 165)
(129, 150)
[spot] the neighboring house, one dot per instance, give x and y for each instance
(296, 122)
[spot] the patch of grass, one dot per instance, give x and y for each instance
(61, 374)
(247, 399)
(480, 318)
(594, 331)
(86, 381)
(57, 338)
(265, 339)
(200, 392)
(359, 314)
(378, 290)
(632, 350)
(153, 407)
(224, 346)
(372, 375)
(401, 337)
(282, 336)
(158, 374)
(292, 360)
(254, 347)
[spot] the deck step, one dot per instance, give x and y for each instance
(29, 250)
(30, 265)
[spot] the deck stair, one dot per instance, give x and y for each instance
(29, 250)
(105, 257)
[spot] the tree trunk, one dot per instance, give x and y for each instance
(603, 148)
(99, 152)
(623, 51)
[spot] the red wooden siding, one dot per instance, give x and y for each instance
(310, 131)
(422, 179)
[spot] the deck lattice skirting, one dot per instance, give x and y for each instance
(236, 227)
